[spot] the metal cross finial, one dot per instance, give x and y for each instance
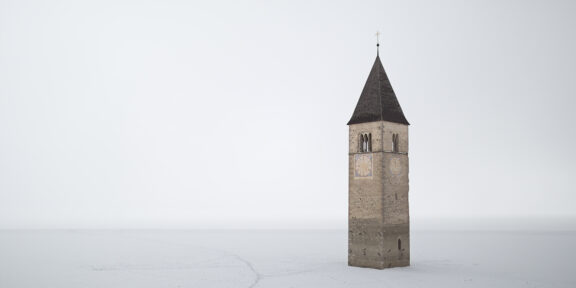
(377, 42)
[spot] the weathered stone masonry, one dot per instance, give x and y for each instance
(378, 218)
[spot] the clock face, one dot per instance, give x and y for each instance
(363, 166)
(395, 166)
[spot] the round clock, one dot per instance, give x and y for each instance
(363, 166)
(395, 166)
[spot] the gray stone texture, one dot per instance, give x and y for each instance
(378, 216)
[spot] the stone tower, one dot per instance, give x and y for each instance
(378, 218)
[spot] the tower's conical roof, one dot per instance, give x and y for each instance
(378, 101)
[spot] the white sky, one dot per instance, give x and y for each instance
(183, 114)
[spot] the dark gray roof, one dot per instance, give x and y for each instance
(378, 101)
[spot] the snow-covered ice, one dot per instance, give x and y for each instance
(279, 258)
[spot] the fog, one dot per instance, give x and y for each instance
(232, 114)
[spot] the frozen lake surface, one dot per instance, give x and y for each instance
(282, 258)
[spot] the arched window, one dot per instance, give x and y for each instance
(395, 142)
(399, 244)
(370, 142)
(365, 142)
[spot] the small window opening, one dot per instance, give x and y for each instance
(399, 244)
(365, 142)
(370, 142)
(395, 142)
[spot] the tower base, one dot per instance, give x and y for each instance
(374, 245)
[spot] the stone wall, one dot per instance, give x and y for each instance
(378, 216)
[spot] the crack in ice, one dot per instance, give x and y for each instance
(259, 276)
(251, 267)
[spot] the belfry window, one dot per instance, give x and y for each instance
(395, 142)
(365, 142)
(369, 142)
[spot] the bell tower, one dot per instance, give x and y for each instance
(378, 218)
